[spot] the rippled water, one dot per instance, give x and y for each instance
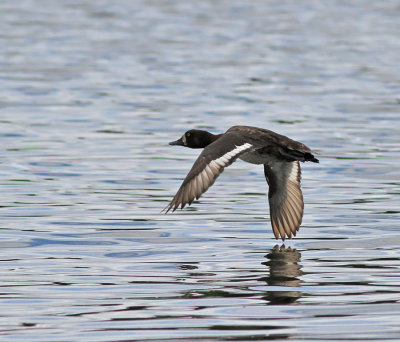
(90, 95)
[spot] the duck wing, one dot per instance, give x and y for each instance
(208, 166)
(285, 197)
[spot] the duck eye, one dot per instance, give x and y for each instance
(188, 134)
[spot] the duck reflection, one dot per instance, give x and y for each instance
(284, 270)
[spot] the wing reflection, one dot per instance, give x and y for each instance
(284, 271)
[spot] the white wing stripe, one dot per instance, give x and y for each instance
(223, 160)
(213, 164)
(294, 172)
(220, 162)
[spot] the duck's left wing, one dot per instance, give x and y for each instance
(208, 166)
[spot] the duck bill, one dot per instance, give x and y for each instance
(178, 142)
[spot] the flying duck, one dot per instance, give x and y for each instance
(279, 154)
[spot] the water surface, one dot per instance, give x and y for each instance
(90, 95)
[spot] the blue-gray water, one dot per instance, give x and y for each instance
(90, 95)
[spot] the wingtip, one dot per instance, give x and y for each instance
(168, 208)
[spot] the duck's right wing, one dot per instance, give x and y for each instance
(208, 166)
(285, 197)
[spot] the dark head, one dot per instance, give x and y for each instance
(196, 138)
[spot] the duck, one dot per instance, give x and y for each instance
(279, 154)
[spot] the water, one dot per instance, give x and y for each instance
(90, 95)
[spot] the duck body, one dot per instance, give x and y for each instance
(279, 154)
